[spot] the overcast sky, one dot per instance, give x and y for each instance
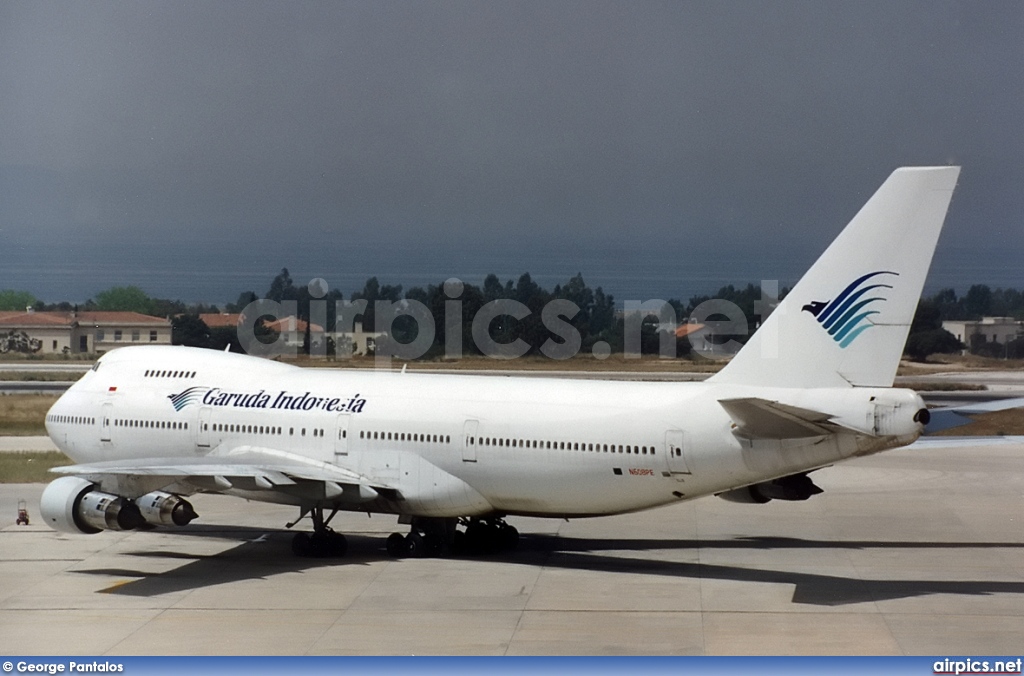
(659, 148)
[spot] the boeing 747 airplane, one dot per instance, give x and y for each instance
(454, 456)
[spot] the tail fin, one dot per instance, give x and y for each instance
(846, 321)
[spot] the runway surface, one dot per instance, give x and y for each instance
(914, 551)
(20, 444)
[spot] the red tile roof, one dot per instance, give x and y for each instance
(291, 324)
(220, 320)
(43, 319)
(35, 319)
(119, 318)
(687, 329)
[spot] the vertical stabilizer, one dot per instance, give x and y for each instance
(846, 321)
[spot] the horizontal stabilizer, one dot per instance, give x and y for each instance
(956, 416)
(757, 418)
(927, 443)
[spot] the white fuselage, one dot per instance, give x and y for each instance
(451, 445)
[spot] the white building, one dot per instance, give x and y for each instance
(83, 332)
(986, 330)
(294, 332)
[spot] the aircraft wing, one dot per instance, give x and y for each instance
(757, 418)
(247, 468)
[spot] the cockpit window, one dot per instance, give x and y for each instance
(96, 366)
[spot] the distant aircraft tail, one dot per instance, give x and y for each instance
(846, 321)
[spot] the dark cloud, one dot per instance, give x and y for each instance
(709, 138)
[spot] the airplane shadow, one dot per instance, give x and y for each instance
(263, 554)
(810, 588)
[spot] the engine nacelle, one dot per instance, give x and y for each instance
(165, 509)
(794, 487)
(71, 505)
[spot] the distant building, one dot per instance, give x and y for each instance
(223, 320)
(291, 328)
(985, 330)
(363, 342)
(84, 332)
(294, 331)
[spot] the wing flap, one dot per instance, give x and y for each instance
(244, 468)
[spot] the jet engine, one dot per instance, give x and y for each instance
(164, 509)
(792, 487)
(74, 505)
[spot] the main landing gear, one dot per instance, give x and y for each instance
(428, 537)
(322, 542)
(436, 537)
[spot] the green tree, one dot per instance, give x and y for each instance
(161, 307)
(244, 299)
(16, 300)
(124, 299)
(932, 341)
(371, 293)
(190, 330)
(978, 301)
(224, 336)
(282, 288)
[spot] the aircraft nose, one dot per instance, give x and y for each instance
(50, 415)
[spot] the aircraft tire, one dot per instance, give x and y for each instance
(415, 545)
(337, 545)
(508, 536)
(396, 545)
(434, 544)
(302, 545)
(459, 544)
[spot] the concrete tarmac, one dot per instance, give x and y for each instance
(915, 551)
(20, 444)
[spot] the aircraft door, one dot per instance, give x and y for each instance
(203, 431)
(675, 454)
(341, 434)
(469, 440)
(106, 421)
